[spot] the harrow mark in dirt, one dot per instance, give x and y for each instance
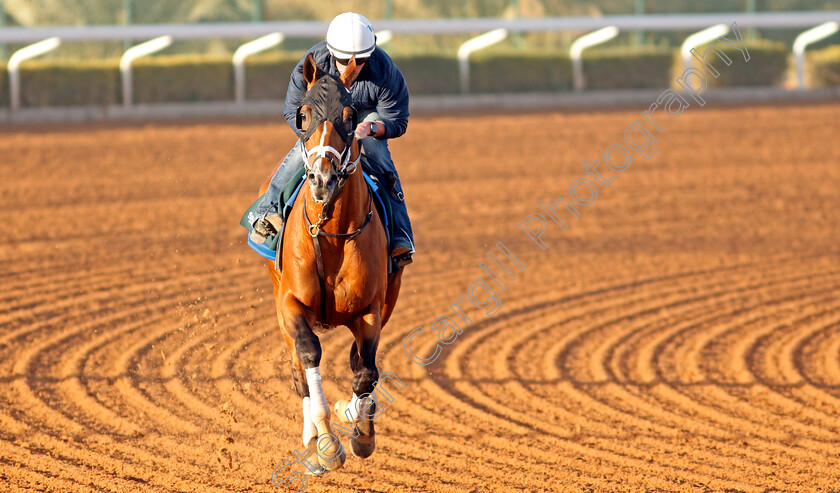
(683, 334)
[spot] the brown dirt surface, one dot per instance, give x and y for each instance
(683, 334)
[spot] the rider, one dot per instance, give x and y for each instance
(380, 96)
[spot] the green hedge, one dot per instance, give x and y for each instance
(210, 77)
(824, 67)
(182, 78)
(766, 67)
(63, 83)
(627, 68)
(429, 74)
(4, 86)
(267, 77)
(513, 71)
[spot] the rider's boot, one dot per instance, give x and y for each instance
(402, 252)
(266, 225)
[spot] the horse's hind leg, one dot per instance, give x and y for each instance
(362, 407)
(330, 452)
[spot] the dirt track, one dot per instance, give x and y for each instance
(682, 335)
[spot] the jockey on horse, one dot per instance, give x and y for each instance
(379, 94)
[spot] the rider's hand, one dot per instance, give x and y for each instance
(362, 130)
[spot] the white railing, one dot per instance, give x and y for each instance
(20, 56)
(383, 37)
(475, 44)
(495, 30)
(803, 40)
(243, 52)
(705, 36)
(132, 54)
(674, 22)
(586, 41)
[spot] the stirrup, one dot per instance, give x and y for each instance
(396, 252)
(266, 225)
(403, 259)
(276, 221)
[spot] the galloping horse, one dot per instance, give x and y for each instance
(334, 267)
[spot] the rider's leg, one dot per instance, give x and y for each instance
(269, 220)
(403, 243)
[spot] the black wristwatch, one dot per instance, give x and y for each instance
(374, 128)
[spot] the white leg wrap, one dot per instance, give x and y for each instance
(309, 429)
(352, 411)
(355, 403)
(319, 410)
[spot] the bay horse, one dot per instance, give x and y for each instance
(334, 267)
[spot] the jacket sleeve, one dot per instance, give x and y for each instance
(392, 103)
(294, 95)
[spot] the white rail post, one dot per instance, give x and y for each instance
(21, 55)
(586, 41)
(705, 36)
(132, 54)
(475, 44)
(383, 37)
(246, 50)
(803, 40)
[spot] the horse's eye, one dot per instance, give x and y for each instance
(348, 119)
(305, 117)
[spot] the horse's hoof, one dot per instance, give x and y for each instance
(340, 409)
(310, 463)
(363, 446)
(330, 456)
(318, 471)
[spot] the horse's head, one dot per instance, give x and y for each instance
(327, 122)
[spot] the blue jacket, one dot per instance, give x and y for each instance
(380, 86)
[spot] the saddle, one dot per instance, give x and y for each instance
(381, 184)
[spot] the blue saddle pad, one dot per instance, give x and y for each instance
(270, 252)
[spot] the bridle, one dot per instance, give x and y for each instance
(339, 160)
(345, 168)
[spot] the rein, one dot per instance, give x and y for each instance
(315, 231)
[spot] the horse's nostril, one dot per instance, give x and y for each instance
(311, 176)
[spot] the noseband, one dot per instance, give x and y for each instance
(339, 160)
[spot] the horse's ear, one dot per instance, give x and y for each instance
(310, 70)
(347, 76)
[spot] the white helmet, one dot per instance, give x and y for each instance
(350, 34)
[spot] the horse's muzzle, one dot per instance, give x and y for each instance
(322, 185)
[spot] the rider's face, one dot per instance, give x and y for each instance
(343, 66)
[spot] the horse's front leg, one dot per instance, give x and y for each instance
(299, 321)
(361, 410)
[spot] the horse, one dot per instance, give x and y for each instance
(334, 268)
